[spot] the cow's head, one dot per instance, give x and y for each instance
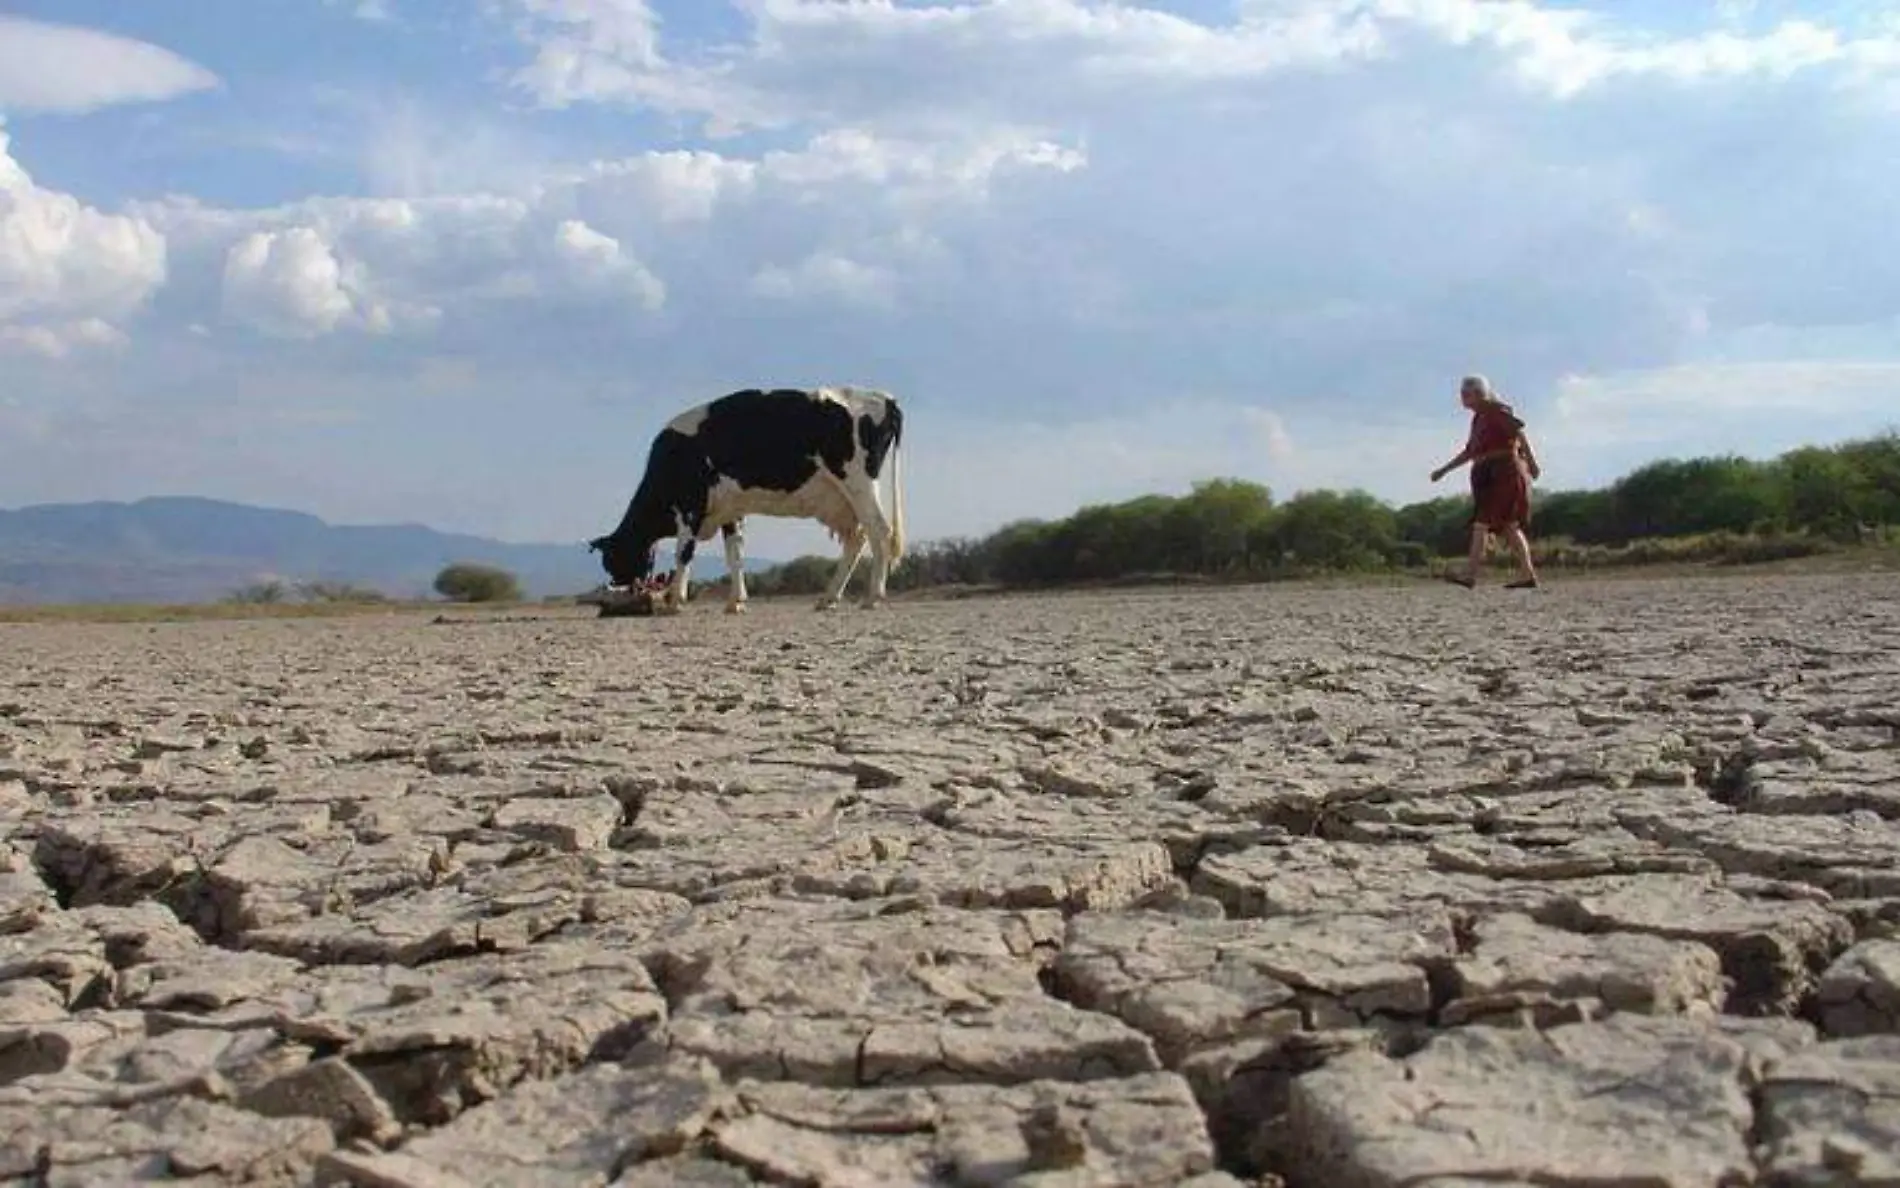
(626, 553)
(626, 563)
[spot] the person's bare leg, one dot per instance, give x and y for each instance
(1480, 537)
(1521, 545)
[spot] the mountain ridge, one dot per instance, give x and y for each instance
(192, 548)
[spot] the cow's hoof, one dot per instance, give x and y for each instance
(828, 604)
(666, 607)
(735, 608)
(871, 604)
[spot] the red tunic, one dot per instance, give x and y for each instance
(1500, 487)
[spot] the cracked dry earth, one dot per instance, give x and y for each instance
(1337, 889)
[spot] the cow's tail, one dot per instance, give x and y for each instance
(896, 421)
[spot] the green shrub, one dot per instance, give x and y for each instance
(1723, 510)
(467, 581)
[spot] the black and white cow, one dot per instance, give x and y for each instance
(813, 453)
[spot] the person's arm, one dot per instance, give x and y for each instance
(1463, 457)
(1530, 457)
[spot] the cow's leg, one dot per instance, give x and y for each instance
(674, 599)
(872, 523)
(734, 534)
(841, 574)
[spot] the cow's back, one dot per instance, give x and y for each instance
(768, 439)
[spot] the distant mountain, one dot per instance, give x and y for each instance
(186, 549)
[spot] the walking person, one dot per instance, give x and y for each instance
(1502, 469)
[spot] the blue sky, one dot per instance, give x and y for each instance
(456, 260)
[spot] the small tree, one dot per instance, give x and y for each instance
(264, 593)
(467, 581)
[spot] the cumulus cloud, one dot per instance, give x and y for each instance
(290, 283)
(58, 340)
(599, 267)
(908, 171)
(601, 238)
(397, 266)
(589, 49)
(670, 187)
(67, 269)
(65, 68)
(824, 274)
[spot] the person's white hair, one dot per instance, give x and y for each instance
(1478, 383)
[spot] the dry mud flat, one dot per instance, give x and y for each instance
(1597, 886)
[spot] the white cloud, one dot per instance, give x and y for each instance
(59, 340)
(290, 283)
(907, 171)
(1661, 402)
(65, 68)
(855, 165)
(871, 59)
(65, 264)
(891, 64)
(1567, 50)
(603, 235)
(824, 274)
(396, 265)
(600, 268)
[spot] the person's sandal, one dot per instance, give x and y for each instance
(1522, 584)
(1458, 579)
